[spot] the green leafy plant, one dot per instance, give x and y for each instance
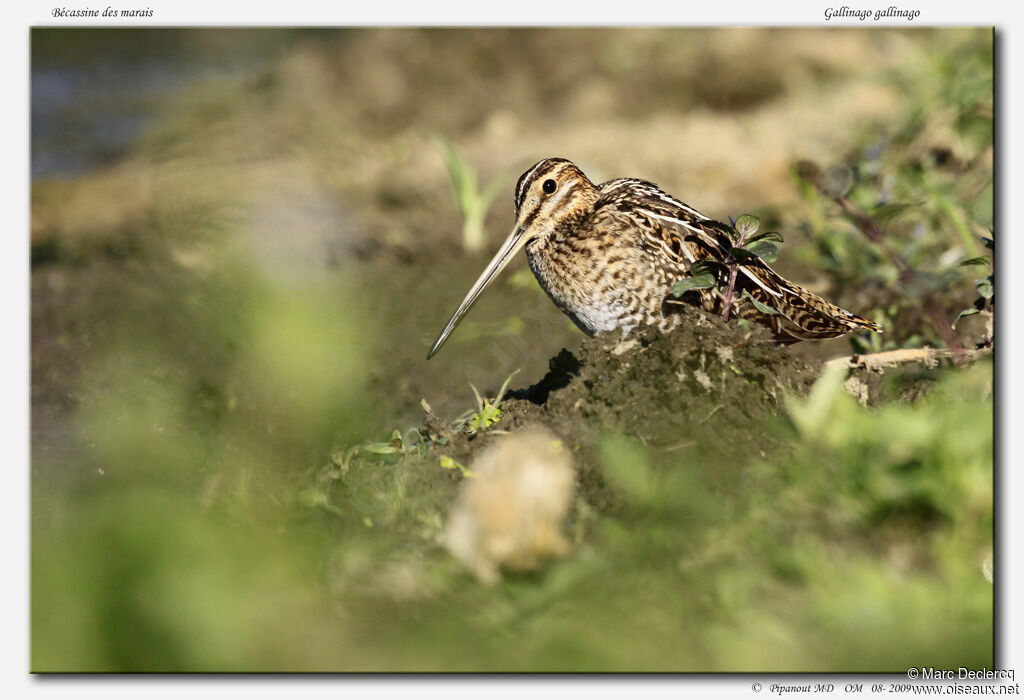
(895, 215)
(474, 202)
(487, 412)
(985, 303)
(447, 462)
(747, 245)
(399, 443)
(919, 267)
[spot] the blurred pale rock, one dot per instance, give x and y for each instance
(509, 513)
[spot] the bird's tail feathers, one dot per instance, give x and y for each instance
(802, 315)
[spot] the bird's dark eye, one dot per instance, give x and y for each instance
(549, 186)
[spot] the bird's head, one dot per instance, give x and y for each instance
(551, 195)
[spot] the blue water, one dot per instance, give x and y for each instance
(96, 91)
(85, 117)
(90, 104)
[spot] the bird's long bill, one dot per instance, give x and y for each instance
(507, 251)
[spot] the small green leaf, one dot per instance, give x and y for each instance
(966, 312)
(702, 267)
(449, 463)
(837, 181)
(766, 236)
(747, 225)
(704, 281)
(985, 288)
(808, 172)
(504, 388)
(312, 498)
(888, 212)
(458, 171)
(479, 399)
(741, 253)
(764, 250)
(763, 308)
(380, 448)
(812, 414)
(485, 418)
(975, 261)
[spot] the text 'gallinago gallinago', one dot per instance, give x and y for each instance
(608, 255)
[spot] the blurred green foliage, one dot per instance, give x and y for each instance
(865, 550)
(201, 414)
(474, 201)
(904, 209)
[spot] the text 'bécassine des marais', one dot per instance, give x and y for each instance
(110, 12)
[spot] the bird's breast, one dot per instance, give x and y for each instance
(600, 289)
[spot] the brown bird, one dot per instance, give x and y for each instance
(609, 255)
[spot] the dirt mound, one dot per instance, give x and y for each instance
(708, 387)
(660, 388)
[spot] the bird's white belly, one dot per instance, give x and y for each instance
(591, 312)
(595, 317)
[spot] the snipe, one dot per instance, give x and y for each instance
(608, 255)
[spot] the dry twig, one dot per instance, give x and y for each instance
(876, 362)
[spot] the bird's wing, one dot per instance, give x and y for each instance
(688, 236)
(676, 226)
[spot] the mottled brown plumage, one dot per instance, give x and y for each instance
(608, 255)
